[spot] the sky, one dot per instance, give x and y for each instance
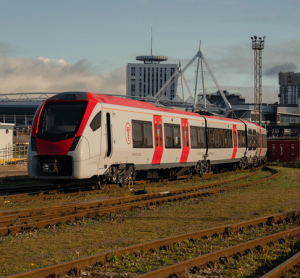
(65, 45)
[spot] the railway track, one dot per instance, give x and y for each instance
(193, 264)
(285, 268)
(51, 190)
(12, 222)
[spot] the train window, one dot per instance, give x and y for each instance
(96, 122)
(187, 136)
(229, 139)
(211, 139)
(172, 136)
(280, 149)
(168, 136)
(60, 120)
(160, 134)
(148, 140)
(183, 136)
(197, 137)
(273, 149)
(142, 134)
(194, 142)
(249, 141)
(226, 138)
(292, 149)
(221, 138)
(216, 132)
(156, 133)
(241, 139)
(177, 142)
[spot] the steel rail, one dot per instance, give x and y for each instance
(113, 201)
(284, 267)
(8, 220)
(11, 226)
(111, 188)
(64, 267)
(217, 255)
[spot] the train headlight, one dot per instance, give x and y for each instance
(75, 142)
(46, 167)
(33, 144)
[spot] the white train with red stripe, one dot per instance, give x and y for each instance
(85, 136)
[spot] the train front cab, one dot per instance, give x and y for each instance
(61, 139)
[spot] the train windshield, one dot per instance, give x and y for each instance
(60, 120)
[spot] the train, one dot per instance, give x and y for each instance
(103, 139)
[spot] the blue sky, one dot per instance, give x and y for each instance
(74, 44)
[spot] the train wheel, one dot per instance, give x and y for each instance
(234, 167)
(100, 185)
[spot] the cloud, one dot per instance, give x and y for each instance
(273, 71)
(56, 75)
(6, 49)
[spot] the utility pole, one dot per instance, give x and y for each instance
(258, 45)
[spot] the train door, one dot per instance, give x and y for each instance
(185, 140)
(108, 135)
(158, 135)
(234, 131)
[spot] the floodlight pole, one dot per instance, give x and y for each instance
(258, 45)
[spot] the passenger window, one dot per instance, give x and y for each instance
(160, 135)
(187, 136)
(177, 141)
(137, 134)
(142, 134)
(194, 141)
(221, 139)
(168, 136)
(216, 138)
(211, 138)
(183, 137)
(148, 141)
(225, 138)
(96, 122)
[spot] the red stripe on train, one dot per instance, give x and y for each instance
(234, 141)
(185, 141)
(158, 140)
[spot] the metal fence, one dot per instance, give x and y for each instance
(14, 154)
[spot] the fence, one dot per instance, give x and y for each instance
(14, 154)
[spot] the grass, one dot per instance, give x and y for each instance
(90, 236)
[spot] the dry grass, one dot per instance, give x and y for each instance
(49, 246)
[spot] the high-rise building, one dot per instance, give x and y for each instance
(147, 78)
(289, 87)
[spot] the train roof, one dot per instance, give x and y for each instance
(109, 99)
